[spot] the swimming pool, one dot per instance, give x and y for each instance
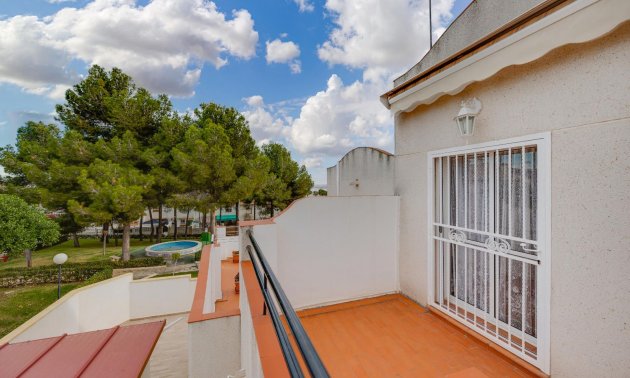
(183, 247)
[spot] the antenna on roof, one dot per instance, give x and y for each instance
(430, 27)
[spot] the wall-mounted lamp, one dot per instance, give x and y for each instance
(466, 117)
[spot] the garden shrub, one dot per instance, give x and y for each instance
(103, 275)
(70, 272)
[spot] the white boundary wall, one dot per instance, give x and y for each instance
(334, 249)
(107, 304)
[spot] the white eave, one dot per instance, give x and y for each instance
(577, 22)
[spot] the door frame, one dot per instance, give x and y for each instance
(543, 308)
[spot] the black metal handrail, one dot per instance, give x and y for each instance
(307, 350)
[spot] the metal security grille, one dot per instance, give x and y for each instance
(486, 243)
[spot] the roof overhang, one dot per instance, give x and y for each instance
(578, 21)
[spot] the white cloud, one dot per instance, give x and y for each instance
(305, 5)
(312, 162)
(329, 123)
(284, 52)
(343, 117)
(163, 45)
(382, 37)
(266, 122)
(254, 101)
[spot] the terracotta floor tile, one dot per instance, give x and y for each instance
(394, 337)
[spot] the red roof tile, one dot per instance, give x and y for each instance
(114, 352)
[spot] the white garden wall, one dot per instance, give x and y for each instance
(107, 304)
(157, 296)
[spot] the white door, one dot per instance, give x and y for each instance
(489, 242)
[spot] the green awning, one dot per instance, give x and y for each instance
(226, 218)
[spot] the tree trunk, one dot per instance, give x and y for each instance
(220, 215)
(75, 240)
(159, 228)
(105, 232)
(29, 258)
(175, 223)
(114, 230)
(151, 219)
(204, 223)
(254, 210)
(238, 204)
(140, 230)
(126, 241)
(213, 221)
(186, 225)
(272, 210)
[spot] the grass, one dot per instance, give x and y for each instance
(193, 274)
(90, 250)
(17, 305)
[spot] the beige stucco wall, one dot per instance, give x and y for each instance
(363, 171)
(581, 94)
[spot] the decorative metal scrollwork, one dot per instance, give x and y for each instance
(497, 244)
(457, 236)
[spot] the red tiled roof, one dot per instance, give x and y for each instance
(113, 352)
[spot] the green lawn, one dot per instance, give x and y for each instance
(90, 250)
(17, 305)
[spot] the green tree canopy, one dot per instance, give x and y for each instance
(23, 227)
(44, 167)
(107, 104)
(204, 161)
(115, 192)
(289, 181)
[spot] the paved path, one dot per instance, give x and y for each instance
(170, 356)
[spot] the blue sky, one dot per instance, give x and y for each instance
(305, 73)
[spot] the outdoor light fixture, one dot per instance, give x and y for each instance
(466, 118)
(59, 259)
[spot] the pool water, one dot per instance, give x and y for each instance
(174, 246)
(183, 247)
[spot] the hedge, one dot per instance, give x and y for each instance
(70, 272)
(97, 277)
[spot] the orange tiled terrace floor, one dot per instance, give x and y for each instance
(230, 301)
(391, 336)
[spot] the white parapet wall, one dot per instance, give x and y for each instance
(158, 296)
(106, 304)
(333, 249)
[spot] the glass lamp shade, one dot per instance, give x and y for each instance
(466, 124)
(60, 258)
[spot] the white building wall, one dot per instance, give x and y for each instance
(334, 249)
(332, 181)
(364, 171)
(580, 93)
